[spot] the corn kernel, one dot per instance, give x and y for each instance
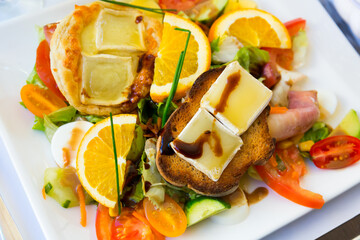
(306, 146)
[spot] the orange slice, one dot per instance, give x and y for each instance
(252, 27)
(197, 58)
(95, 162)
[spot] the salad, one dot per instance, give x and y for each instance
(199, 95)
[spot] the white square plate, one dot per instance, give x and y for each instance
(332, 64)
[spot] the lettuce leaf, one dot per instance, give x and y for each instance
(161, 107)
(147, 109)
(150, 174)
(137, 145)
(40, 33)
(93, 119)
(49, 128)
(34, 79)
(138, 194)
(300, 45)
(50, 123)
(319, 131)
(215, 45)
(252, 59)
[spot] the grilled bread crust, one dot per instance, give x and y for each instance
(258, 146)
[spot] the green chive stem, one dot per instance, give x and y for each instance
(154, 10)
(116, 163)
(176, 77)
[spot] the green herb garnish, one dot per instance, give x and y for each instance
(154, 10)
(176, 78)
(116, 163)
(48, 187)
(66, 204)
(280, 164)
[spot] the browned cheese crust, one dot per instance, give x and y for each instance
(66, 59)
(258, 147)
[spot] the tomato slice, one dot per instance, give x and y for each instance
(168, 219)
(336, 152)
(43, 68)
(49, 30)
(180, 5)
(103, 223)
(127, 226)
(284, 177)
(294, 26)
(40, 101)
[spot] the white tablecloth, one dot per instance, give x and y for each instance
(310, 226)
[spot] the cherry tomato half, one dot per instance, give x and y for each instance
(336, 152)
(294, 26)
(127, 226)
(168, 219)
(284, 177)
(43, 68)
(40, 101)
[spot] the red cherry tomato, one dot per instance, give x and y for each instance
(125, 227)
(294, 26)
(180, 5)
(49, 30)
(284, 177)
(336, 152)
(43, 68)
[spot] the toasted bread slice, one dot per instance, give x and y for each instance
(258, 146)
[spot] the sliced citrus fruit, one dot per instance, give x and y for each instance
(252, 27)
(197, 58)
(95, 162)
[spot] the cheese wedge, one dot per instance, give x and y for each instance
(236, 98)
(120, 30)
(206, 144)
(106, 79)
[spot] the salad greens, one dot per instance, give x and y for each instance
(35, 79)
(137, 146)
(148, 109)
(300, 44)
(92, 118)
(319, 131)
(252, 59)
(152, 182)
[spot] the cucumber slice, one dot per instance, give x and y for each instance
(350, 125)
(61, 183)
(207, 11)
(203, 207)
